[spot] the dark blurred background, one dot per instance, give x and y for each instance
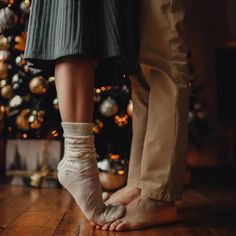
(211, 29)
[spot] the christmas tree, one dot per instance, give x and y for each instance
(28, 100)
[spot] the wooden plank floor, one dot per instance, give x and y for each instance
(208, 208)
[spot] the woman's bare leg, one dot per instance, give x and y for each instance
(78, 171)
(74, 78)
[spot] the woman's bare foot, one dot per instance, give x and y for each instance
(144, 212)
(124, 195)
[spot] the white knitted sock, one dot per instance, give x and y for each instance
(78, 173)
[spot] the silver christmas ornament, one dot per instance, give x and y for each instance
(4, 55)
(16, 101)
(109, 107)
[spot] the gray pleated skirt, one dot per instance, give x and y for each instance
(101, 29)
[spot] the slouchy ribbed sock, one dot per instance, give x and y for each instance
(78, 173)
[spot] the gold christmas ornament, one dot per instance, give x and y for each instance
(110, 181)
(130, 108)
(3, 42)
(7, 91)
(3, 83)
(20, 42)
(3, 70)
(38, 85)
(22, 120)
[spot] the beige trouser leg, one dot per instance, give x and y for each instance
(140, 94)
(161, 101)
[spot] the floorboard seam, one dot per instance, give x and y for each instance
(5, 228)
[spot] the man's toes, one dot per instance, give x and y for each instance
(114, 224)
(106, 226)
(122, 226)
(98, 226)
(105, 196)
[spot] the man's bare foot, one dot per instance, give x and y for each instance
(144, 212)
(122, 196)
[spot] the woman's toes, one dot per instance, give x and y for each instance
(114, 224)
(106, 226)
(92, 223)
(122, 226)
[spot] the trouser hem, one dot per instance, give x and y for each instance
(133, 183)
(160, 195)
